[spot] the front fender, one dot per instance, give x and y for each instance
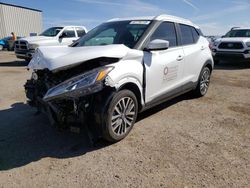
(124, 81)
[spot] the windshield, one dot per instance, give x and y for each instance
(238, 33)
(51, 32)
(122, 32)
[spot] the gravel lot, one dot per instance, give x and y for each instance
(185, 142)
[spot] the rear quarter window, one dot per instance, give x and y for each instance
(195, 34)
(200, 32)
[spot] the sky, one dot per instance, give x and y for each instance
(215, 17)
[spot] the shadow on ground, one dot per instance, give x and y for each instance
(25, 137)
(162, 106)
(14, 64)
(232, 65)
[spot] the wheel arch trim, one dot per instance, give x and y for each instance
(209, 62)
(134, 85)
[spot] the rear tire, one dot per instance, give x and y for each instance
(120, 116)
(203, 83)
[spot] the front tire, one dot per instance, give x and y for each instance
(120, 116)
(203, 83)
(1, 47)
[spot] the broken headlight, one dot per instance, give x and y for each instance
(78, 85)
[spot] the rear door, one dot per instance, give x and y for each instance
(194, 49)
(164, 68)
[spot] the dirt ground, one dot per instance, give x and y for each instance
(184, 143)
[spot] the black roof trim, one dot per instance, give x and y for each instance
(1, 3)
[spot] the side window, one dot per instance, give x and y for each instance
(186, 35)
(248, 33)
(166, 31)
(80, 32)
(196, 35)
(69, 33)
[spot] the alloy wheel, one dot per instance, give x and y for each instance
(204, 83)
(123, 116)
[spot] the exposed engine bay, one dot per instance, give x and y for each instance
(66, 108)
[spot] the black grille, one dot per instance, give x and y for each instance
(231, 45)
(21, 45)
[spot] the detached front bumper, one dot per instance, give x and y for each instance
(231, 55)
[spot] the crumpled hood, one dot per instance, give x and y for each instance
(36, 38)
(61, 57)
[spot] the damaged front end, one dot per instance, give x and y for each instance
(69, 96)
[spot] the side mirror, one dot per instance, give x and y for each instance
(223, 36)
(158, 44)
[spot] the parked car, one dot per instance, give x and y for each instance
(5, 43)
(54, 36)
(234, 45)
(118, 69)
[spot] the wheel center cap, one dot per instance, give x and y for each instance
(120, 121)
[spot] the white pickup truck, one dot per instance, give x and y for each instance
(234, 45)
(54, 36)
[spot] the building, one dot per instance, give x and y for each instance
(21, 20)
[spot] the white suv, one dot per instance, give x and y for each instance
(234, 45)
(120, 68)
(54, 36)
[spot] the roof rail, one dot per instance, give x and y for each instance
(171, 16)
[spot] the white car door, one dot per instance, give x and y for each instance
(164, 68)
(68, 36)
(195, 49)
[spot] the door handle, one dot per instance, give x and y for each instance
(202, 48)
(180, 57)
